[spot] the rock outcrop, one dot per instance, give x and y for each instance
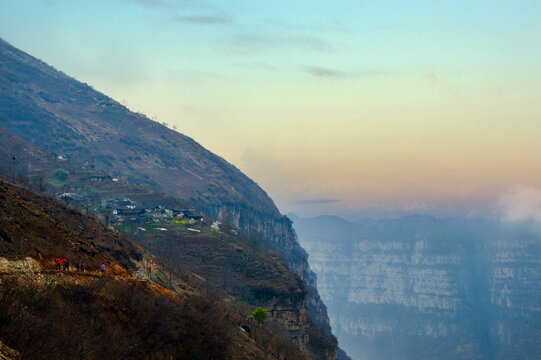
(278, 231)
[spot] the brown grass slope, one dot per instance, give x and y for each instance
(38, 227)
(46, 313)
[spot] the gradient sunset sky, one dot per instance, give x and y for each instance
(331, 106)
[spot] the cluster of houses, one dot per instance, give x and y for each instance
(125, 209)
(101, 178)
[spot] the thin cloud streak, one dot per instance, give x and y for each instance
(203, 20)
(205, 11)
(323, 72)
(202, 14)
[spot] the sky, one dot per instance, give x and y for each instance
(343, 107)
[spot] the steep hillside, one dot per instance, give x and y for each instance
(46, 312)
(87, 187)
(69, 118)
(243, 270)
(36, 227)
(424, 288)
(62, 115)
(232, 267)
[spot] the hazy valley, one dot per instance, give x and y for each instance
(424, 288)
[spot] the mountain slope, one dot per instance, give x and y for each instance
(64, 116)
(48, 313)
(60, 114)
(229, 266)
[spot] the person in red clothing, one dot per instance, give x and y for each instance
(58, 262)
(64, 263)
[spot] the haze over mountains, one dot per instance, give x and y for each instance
(424, 288)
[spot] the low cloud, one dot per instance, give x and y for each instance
(520, 203)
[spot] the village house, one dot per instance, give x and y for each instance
(99, 178)
(192, 214)
(129, 214)
(120, 204)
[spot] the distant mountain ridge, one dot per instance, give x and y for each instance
(66, 117)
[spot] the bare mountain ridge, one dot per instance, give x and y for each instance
(58, 113)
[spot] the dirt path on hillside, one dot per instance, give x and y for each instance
(32, 267)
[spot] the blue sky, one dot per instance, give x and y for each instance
(389, 105)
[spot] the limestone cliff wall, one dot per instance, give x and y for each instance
(425, 288)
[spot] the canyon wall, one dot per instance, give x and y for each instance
(422, 288)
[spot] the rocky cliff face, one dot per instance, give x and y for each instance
(513, 289)
(277, 230)
(63, 116)
(421, 288)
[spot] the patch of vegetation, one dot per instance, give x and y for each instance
(214, 235)
(102, 190)
(57, 184)
(260, 315)
(61, 175)
(176, 225)
(124, 228)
